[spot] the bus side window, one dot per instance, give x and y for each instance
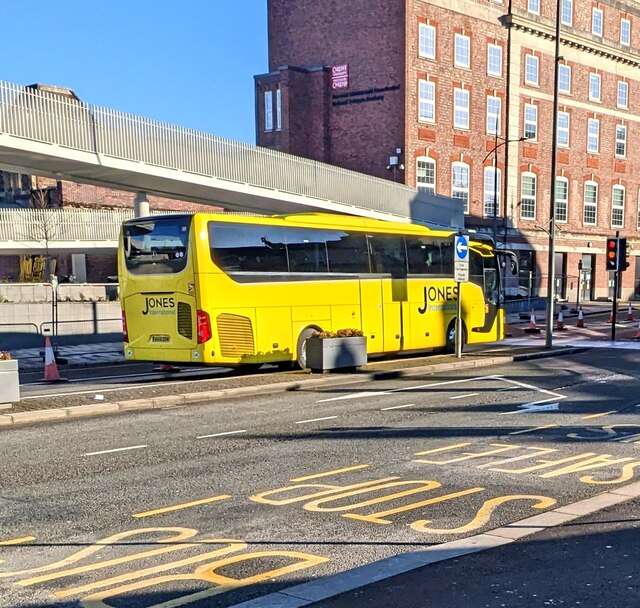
(425, 256)
(348, 252)
(388, 255)
(307, 249)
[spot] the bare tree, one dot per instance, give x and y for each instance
(44, 225)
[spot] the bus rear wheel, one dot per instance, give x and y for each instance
(301, 348)
(450, 346)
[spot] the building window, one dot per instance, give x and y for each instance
(533, 6)
(461, 108)
(593, 135)
(426, 175)
(492, 189)
(494, 60)
(531, 70)
(617, 207)
(530, 121)
(462, 51)
(268, 111)
(567, 12)
(562, 199)
(528, 187)
(494, 111)
(590, 203)
(426, 101)
(595, 82)
(278, 110)
(460, 183)
(564, 79)
(427, 41)
(625, 32)
(596, 21)
(623, 94)
(621, 141)
(564, 122)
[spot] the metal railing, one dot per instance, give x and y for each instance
(65, 121)
(62, 225)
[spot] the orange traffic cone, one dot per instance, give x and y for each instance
(629, 313)
(532, 328)
(580, 322)
(50, 366)
(637, 336)
(560, 324)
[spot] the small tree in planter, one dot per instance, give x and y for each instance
(344, 348)
(9, 380)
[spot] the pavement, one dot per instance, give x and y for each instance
(582, 554)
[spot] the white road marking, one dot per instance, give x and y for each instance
(409, 388)
(221, 434)
(316, 419)
(463, 396)
(536, 406)
(133, 447)
(397, 407)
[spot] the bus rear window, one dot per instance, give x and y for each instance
(156, 245)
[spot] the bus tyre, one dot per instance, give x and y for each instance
(301, 348)
(450, 346)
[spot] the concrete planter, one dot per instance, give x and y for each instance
(336, 353)
(9, 383)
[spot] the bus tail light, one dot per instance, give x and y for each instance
(125, 333)
(203, 326)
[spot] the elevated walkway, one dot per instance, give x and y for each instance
(48, 131)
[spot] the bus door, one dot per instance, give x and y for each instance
(388, 259)
(371, 313)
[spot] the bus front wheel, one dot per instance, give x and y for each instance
(450, 346)
(301, 348)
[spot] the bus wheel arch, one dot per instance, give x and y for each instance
(450, 336)
(301, 347)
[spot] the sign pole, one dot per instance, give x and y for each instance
(459, 324)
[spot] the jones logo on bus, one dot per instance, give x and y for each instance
(438, 294)
(155, 305)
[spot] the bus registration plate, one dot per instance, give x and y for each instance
(157, 338)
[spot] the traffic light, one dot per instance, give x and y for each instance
(616, 254)
(622, 254)
(612, 254)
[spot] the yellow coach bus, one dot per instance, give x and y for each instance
(229, 290)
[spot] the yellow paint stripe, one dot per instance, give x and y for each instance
(184, 505)
(335, 472)
(599, 415)
(535, 428)
(17, 541)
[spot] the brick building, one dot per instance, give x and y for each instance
(436, 93)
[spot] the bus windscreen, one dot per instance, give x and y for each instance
(156, 245)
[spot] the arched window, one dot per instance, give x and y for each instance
(492, 189)
(460, 183)
(590, 215)
(617, 206)
(528, 195)
(426, 174)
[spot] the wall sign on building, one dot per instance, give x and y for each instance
(340, 76)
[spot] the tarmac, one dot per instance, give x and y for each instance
(518, 565)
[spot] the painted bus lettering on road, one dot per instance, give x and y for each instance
(172, 540)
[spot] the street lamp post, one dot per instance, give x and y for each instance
(499, 142)
(552, 207)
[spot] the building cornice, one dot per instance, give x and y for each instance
(569, 38)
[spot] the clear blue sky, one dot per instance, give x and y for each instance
(187, 62)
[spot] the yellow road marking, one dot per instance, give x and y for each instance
(184, 505)
(335, 472)
(536, 428)
(17, 541)
(599, 415)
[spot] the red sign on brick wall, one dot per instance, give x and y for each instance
(340, 76)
